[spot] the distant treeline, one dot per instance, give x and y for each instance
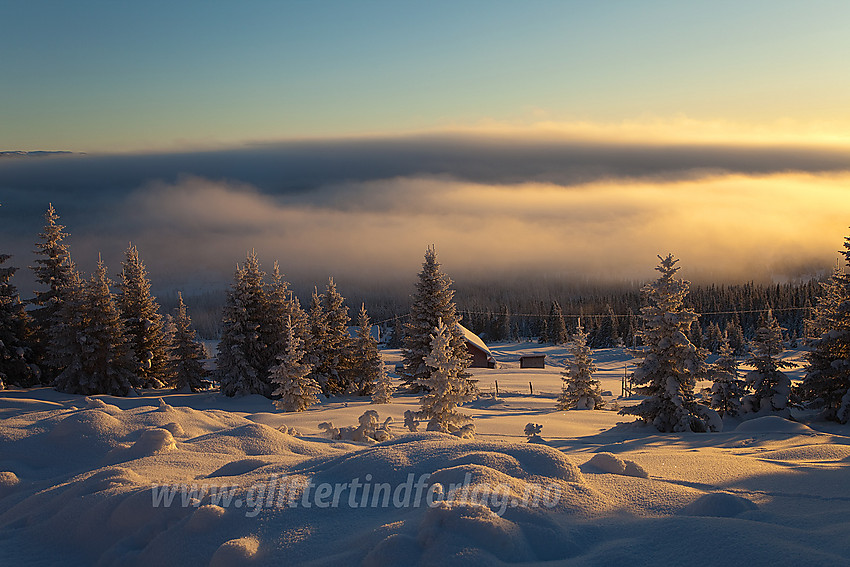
(610, 313)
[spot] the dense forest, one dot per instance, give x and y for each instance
(610, 313)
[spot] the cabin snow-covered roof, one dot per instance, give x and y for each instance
(475, 339)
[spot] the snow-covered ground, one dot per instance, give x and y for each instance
(87, 481)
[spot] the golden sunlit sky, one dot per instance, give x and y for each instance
(564, 136)
(119, 76)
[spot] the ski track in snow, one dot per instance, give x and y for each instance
(77, 476)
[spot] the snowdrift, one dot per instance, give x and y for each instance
(106, 481)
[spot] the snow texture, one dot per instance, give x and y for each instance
(79, 477)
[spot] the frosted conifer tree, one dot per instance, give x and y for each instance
(445, 387)
(52, 270)
(579, 390)
(543, 335)
(282, 305)
(671, 365)
(367, 364)
(727, 390)
(714, 337)
(433, 302)
(317, 339)
(329, 347)
(607, 334)
(187, 354)
(105, 364)
(15, 350)
(397, 335)
(827, 378)
(735, 334)
(291, 377)
(770, 386)
(67, 333)
(556, 328)
(147, 338)
(241, 364)
(382, 389)
(338, 345)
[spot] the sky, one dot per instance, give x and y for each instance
(564, 137)
(129, 76)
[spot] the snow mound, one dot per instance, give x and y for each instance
(253, 439)
(193, 422)
(450, 528)
(391, 461)
(467, 533)
(236, 552)
(152, 441)
(9, 405)
(108, 479)
(175, 428)
(611, 463)
(90, 427)
(498, 461)
(236, 468)
(718, 505)
(820, 453)
(8, 482)
(774, 424)
(97, 403)
(205, 518)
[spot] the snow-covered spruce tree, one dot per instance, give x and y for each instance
(366, 362)
(187, 354)
(727, 390)
(382, 389)
(316, 338)
(64, 351)
(329, 345)
(579, 390)
(445, 388)
(695, 335)
(293, 383)
(282, 306)
(714, 337)
(241, 363)
(543, 334)
(105, 365)
(143, 324)
(338, 346)
(397, 336)
(52, 271)
(16, 365)
(607, 333)
(770, 386)
(433, 302)
(827, 378)
(555, 326)
(671, 365)
(735, 334)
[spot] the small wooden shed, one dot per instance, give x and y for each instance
(532, 361)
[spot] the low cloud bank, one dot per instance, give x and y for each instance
(368, 208)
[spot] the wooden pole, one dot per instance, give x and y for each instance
(531, 388)
(497, 388)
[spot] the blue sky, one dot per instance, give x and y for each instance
(128, 76)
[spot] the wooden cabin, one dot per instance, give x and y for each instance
(532, 361)
(481, 355)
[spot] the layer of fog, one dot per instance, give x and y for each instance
(366, 209)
